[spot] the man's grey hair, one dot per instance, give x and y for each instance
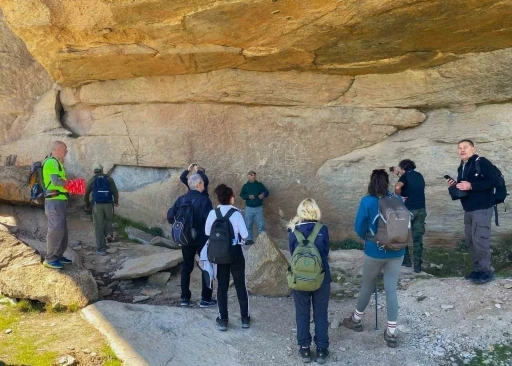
(194, 180)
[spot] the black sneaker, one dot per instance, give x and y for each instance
(246, 322)
(472, 275)
(305, 354)
(222, 324)
(406, 263)
(185, 302)
(322, 354)
(417, 269)
(249, 242)
(483, 278)
(207, 304)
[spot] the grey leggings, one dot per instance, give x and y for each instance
(371, 270)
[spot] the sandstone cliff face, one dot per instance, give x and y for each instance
(312, 102)
(83, 40)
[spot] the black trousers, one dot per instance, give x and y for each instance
(320, 301)
(189, 253)
(237, 269)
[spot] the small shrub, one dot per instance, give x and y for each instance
(123, 223)
(155, 231)
(29, 306)
(109, 357)
(348, 243)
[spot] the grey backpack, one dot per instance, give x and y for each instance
(394, 224)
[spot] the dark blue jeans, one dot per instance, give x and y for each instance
(320, 301)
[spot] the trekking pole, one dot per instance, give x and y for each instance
(376, 314)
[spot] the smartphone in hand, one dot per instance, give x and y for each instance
(446, 176)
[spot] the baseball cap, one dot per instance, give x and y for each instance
(252, 172)
(97, 167)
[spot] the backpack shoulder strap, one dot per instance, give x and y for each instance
(314, 233)
(299, 236)
(229, 213)
(218, 213)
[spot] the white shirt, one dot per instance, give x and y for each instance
(236, 220)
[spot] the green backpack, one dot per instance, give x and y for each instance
(306, 271)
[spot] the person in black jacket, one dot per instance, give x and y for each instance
(308, 214)
(202, 207)
(478, 209)
(196, 170)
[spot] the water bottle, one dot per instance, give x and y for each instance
(233, 241)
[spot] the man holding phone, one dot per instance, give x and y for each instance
(194, 169)
(478, 209)
(411, 186)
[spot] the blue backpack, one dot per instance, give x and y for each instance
(101, 192)
(183, 231)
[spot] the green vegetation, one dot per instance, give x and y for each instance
(457, 262)
(497, 355)
(110, 357)
(123, 223)
(349, 243)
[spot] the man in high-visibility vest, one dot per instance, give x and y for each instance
(55, 206)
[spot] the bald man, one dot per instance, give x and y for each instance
(55, 206)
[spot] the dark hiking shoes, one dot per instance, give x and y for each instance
(101, 252)
(350, 323)
(483, 278)
(64, 260)
(305, 354)
(207, 304)
(322, 354)
(185, 302)
(222, 324)
(53, 265)
(407, 263)
(472, 275)
(391, 339)
(246, 322)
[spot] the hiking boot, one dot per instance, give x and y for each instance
(472, 275)
(110, 238)
(407, 263)
(207, 304)
(101, 252)
(483, 278)
(305, 354)
(322, 354)
(53, 265)
(249, 242)
(185, 302)
(391, 339)
(417, 269)
(246, 322)
(222, 324)
(350, 323)
(64, 260)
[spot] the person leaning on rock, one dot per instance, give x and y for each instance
(194, 169)
(478, 209)
(56, 206)
(253, 193)
(104, 197)
(411, 186)
(201, 208)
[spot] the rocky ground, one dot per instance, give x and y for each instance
(441, 321)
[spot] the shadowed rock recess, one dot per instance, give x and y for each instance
(311, 95)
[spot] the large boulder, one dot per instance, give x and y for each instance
(23, 276)
(13, 184)
(149, 264)
(265, 268)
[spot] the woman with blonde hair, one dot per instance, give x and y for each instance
(308, 216)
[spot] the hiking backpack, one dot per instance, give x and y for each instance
(394, 224)
(306, 271)
(222, 239)
(35, 182)
(183, 232)
(500, 187)
(101, 192)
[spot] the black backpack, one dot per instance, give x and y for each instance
(35, 182)
(222, 236)
(183, 232)
(101, 192)
(500, 187)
